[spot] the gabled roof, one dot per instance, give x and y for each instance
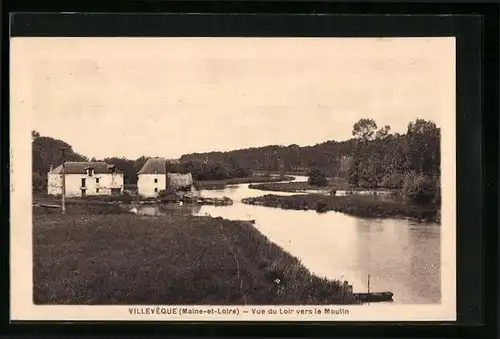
(154, 166)
(71, 167)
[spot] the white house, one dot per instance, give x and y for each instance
(153, 177)
(85, 178)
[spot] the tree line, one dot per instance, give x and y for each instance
(410, 162)
(293, 158)
(374, 158)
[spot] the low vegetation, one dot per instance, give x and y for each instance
(104, 256)
(332, 185)
(356, 205)
(317, 178)
(220, 184)
(90, 199)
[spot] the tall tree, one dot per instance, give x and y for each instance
(383, 133)
(364, 129)
(47, 152)
(423, 139)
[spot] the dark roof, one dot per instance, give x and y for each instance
(154, 166)
(81, 168)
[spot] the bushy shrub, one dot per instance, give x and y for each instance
(321, 206)
(167, 195)
(393, 180)
(39, 182)
(126, 197)
(317, 178)
(419, 188)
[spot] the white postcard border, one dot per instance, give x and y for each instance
(22, 307)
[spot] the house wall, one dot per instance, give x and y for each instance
(54, 184)
(74, 184)
(146, 184)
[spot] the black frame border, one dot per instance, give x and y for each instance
(477, 129)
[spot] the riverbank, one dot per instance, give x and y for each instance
(104, 256)
(128, 199)
(220, 184)
(304, 186)
(359, 206)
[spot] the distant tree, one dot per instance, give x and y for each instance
(374, 157)
(317, 178)
(383, 132)
(423, 153)
(393, 181)
(354, 171)
(39, 182)
(138, 163)
(344, 165)
(419, 188)
(126, 166)
(364, 129)
(46, 152)
(34, 135)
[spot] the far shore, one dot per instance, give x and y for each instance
(359, 206)
(221, 184)
(334, 184)
(103, 256)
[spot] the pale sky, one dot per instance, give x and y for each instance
(171, 96)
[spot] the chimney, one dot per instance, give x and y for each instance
(51, 167)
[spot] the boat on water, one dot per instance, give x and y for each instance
(374, 296)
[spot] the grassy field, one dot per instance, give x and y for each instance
(333, 184)
(360, 206)
(220, 184)
(99, 255)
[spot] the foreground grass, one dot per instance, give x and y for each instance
(302, 186)
(108, 257)
(360, 206)
(220, 184)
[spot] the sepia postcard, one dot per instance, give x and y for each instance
(233, 179)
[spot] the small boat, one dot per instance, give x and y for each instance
(374, 296)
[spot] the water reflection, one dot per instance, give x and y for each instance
(163, 209)
(400, 256)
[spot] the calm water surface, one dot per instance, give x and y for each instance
(399, 255)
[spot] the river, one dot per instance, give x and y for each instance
(400, 256)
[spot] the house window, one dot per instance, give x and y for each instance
(83, 182)
(156, 180)
(96, 180)
(156, 189)
(97, 190)
(90, 171)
